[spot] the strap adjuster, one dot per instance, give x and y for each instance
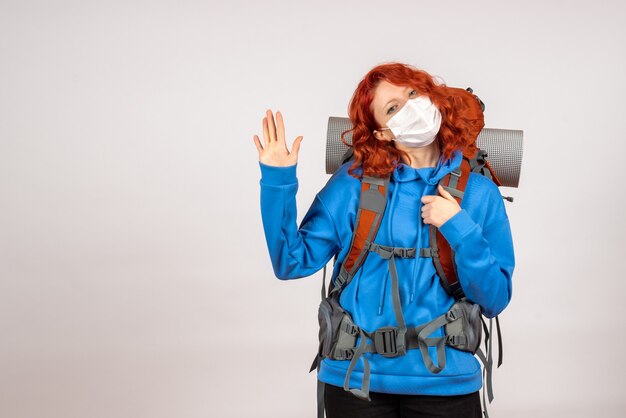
(451, 315)
(390, 342)
(344, 354)
(429, 252)
(455, 340)
(350, 329)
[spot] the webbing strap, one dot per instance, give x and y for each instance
(434, 253)
(320, 398)
(487, 369)
(431, 327)
(362, 393)
(386, 251)
(440, 250)
(389, 253)
(499, 342)
(453, 184)
(324, 283)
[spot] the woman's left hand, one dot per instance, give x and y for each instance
(438, 209)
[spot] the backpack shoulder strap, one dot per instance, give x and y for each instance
(474, 161)
(372, 205)
(440, 250)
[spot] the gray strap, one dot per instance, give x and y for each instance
(434, 250)
(482, 357)
(487, 369)
(371, 198)
(454, 178)
(453, 192)
(341, 280)
(411, 341)
(321, 386)
(429, 252)
(441, 354)
(395, 295)
(362, 393)
(451, 187)
(386, 252)
(324, 283)
(378, 181)
(390, 253)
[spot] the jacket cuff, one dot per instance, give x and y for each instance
(278, 176)
(457, 227)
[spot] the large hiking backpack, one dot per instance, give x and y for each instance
(463, 323)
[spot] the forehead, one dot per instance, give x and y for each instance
(386, 91)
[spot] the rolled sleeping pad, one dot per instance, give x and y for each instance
(503, 147)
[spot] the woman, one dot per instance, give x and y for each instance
(408, 127)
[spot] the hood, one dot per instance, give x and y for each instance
(430, 175)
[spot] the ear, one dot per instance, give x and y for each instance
(380, 135)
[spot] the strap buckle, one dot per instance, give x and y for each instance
(343, 354)
(455, 340)
(390, 341)
(405, 252)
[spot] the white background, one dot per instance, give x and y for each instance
(134, 277)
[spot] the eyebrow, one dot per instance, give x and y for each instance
(408, 87)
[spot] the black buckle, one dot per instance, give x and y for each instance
(389, 342)
(451, 315)
(455, 340)
(405, 252)
(344, 354)
(350, 329)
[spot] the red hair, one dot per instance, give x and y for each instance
(461, 118)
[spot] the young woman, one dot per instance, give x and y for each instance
(413, 129)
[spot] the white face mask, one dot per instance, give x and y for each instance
(417, 123)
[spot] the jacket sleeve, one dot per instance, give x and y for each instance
(484, 257)
(294, 252)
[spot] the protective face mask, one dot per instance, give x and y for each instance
(417, 123)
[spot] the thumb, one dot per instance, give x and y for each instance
(295, 148)
(444, 193)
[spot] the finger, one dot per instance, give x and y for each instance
(296, 145)
(428, 198)
(281, 127)
(444, 192)
(271, 125)
(266, 133)
(257, 142)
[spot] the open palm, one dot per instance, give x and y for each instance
(274, 150)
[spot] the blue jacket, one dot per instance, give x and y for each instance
(479, 234)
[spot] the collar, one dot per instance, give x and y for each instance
(430, 175)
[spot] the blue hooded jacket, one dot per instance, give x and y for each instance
(479, 234)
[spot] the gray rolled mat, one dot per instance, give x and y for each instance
(503, 147)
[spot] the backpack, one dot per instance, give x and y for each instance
(463, 323)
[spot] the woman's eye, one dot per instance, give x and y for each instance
(390, 109)
(412, 91)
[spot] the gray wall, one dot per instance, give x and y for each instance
(134, 278)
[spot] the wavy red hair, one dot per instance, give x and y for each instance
(461, 118)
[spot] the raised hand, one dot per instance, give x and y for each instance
(274, 149)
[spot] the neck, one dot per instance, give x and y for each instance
(420, 157)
